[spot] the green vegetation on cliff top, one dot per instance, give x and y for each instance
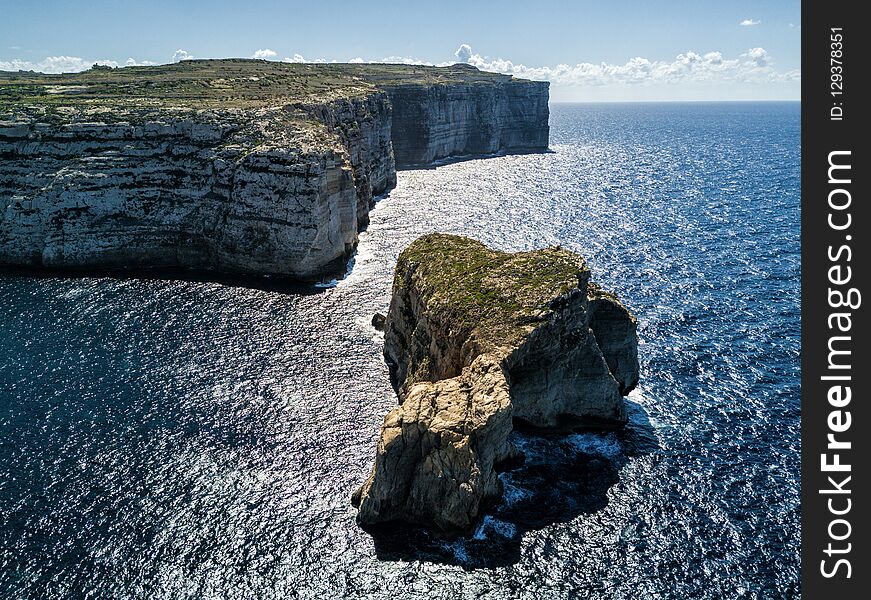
(495, 295)
(227, 83)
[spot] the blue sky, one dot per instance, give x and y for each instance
(616, 50)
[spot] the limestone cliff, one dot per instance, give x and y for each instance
(431, 122)
(477, 339)
(237, 166)
(245, 190)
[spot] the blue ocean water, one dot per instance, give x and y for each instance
(187, 439)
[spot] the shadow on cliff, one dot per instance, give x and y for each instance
(562, 478)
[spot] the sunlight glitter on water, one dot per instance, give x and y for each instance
(174, 439)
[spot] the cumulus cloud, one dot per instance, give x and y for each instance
(405, 60)
(53, 64)
(265, 53)
(749, 22)
(65, 64)
(299, 58)
(755, 65)
(758, 56)
(463, 53)
(132, 62)
(180, 55)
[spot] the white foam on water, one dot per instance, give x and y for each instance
(512, 494)
(596, 443)
(491, 526)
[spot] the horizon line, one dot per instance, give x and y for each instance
(793, 100)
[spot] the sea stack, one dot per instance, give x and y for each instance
(476, 341)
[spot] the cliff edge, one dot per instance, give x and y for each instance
(477, 340)
(236, 166)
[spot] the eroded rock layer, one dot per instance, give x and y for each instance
(257, 191)
(477, 339)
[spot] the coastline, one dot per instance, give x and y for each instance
(278, 180)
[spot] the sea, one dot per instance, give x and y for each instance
(199, 437)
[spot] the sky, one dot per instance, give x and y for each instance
(619, 50)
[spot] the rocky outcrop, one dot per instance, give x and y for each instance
(441, 448)
(432, 122)
(477, 340)
(235, 166)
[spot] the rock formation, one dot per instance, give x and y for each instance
(237, 166)
(477, 339)
(438, 451)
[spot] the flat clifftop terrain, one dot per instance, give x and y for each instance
(225, 83)
(238, 166)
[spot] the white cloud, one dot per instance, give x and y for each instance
(758, 56)
(299, 58)
(755, 65)
(132, 62)
(180, 55)
(405, 60)
(356, 61)
(749, 22)
(265, 53)
(463, 53)
(66, 64)
(54, 64)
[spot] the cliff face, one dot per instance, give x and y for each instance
(364, 128)
(259, 191)
(476, 339)
(431, 122)
(236, 166)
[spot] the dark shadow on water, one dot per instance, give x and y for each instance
(562, 478)
(281, 285)
(449, 160)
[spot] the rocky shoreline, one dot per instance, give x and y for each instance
(233, 166)
(477, 341)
